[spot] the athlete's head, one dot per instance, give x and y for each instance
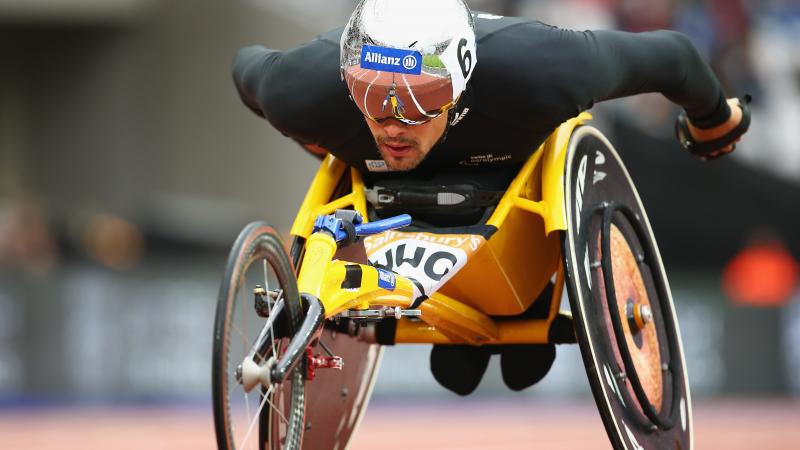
(406, 64)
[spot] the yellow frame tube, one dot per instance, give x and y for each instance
(454, 318)
(552, 156)
(317, 200)
(322, 277)
(528, 331)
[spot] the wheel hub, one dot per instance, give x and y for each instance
(639, 314)
(250, 374)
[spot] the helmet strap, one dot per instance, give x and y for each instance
(462, 102)
(450, 114)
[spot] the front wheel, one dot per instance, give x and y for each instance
(621, 303)
(258, 309)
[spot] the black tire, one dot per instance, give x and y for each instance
(257, 258)
(613, 267)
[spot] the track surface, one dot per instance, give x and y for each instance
(463, 425)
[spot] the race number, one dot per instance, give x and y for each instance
(464, 58)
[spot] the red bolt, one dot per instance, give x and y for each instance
(321, 362)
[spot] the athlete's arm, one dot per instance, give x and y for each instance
(284, 87)
(619, 64)
(250, 66)
(568, 71)
(667, 62)
(299, 91)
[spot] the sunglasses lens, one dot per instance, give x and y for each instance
(411, 99)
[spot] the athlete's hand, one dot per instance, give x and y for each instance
(700, 135)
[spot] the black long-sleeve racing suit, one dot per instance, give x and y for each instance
(529, 78)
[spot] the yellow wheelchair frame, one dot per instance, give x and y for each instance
(568, 218)
(534, 198)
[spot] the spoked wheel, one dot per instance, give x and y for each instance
(258, 309)
(621, 303)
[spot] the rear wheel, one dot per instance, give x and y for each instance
(258, 309)
(621, 303)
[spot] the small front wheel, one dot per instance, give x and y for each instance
(258, 310)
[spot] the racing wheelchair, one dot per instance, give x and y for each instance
(298, 336)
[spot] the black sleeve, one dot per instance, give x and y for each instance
(566, 71)
(249, 66)
(660, 61)
(299, 91)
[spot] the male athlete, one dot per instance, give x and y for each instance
(420, 93)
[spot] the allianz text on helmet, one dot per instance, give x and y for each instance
(408, 59)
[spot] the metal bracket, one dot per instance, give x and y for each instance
(395, 312)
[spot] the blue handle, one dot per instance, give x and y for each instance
(379, 226)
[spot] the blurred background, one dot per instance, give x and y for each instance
(128, 165)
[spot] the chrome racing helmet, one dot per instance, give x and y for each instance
(408, 59)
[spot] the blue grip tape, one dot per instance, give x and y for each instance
(379, 226)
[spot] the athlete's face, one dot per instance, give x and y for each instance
(403, 146)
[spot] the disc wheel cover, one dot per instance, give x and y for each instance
(603, 209)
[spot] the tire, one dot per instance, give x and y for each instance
(634, 361)
(254, 420)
